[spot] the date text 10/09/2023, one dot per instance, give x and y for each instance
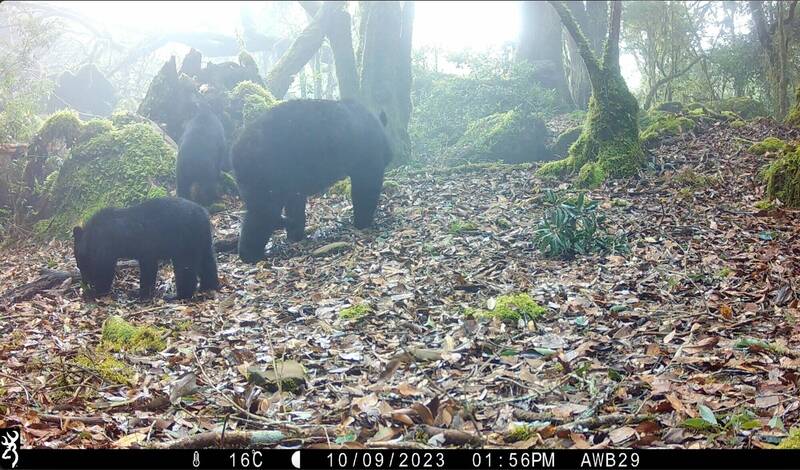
(479, 460)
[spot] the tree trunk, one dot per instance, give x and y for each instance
(540, 44)
(609, 144)
(774, 42)
(338, 30)
(386, 70)
(280, 78)
(591, 18)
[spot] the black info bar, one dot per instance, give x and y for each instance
(398, 459)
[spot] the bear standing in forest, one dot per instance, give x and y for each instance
(157, 229)
(299, 148)
(202, 154)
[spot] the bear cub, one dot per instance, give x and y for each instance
(166, 228)
(202, 155)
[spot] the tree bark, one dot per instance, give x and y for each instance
(591, 17)
(386, 70)
(280, 78)
(774, 42)
(540, 44)
(338, 30)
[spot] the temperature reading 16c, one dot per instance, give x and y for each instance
(250, 459)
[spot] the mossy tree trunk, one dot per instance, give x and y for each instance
(591, 16)
(609, 144)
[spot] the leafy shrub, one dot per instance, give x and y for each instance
(572, 226)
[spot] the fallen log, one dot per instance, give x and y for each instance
(232, 439)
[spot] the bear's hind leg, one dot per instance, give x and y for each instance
(365, 190)
(295, 217)
(185, 276)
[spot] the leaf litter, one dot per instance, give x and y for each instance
(690, 340)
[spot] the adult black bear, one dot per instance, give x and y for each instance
(203, 153)
(299, 148)
(157, 229)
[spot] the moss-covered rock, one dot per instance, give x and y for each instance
(674, 107)
(93, 128)
(247, 100)
(665, 126)
(120, 335)
(512, 137)
(564, 140)
(770, 144)
(793, 118)
(116, 168)
(747, 108)
(511, 308)
(783, 179)
(738, 124)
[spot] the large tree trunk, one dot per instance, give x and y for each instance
(591, 17)
(609, 144)
(386, 70)
(540, 44)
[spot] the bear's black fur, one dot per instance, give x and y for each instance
(299, 148)
(203, 153)
(157, 229)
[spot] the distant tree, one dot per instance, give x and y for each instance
(609, 144)
(540, 44)
(774, 38)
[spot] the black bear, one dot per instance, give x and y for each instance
(299, 148)
(157, 229)
(202, 154)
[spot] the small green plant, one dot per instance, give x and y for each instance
(460, 226)
(724, 272)
(764, 205)
(792, 441)
(573, 226)
(354, 312)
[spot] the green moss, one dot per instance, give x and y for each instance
(512, 137)
(738, 123)
(93, 128)
(124, 118)
(743, 106)
(117, 168)
(556, 169)
(670, 107)
(591, 176)
(783, 179)
(341, 188)
(793, 118)
(764, 205)
(770, 144)
(724, 272)
(519, 432)
(511, 308)
(460, 226)
(119, 335)
(666, 126)
(354, 312)
(248, 100)
(62, 125)
(792, 441)
(565, 140)
(110, 369)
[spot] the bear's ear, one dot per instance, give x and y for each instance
(383, 118)
(77, 233)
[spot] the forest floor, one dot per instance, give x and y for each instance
(690, 340)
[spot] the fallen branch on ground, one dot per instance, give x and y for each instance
(232, 439)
